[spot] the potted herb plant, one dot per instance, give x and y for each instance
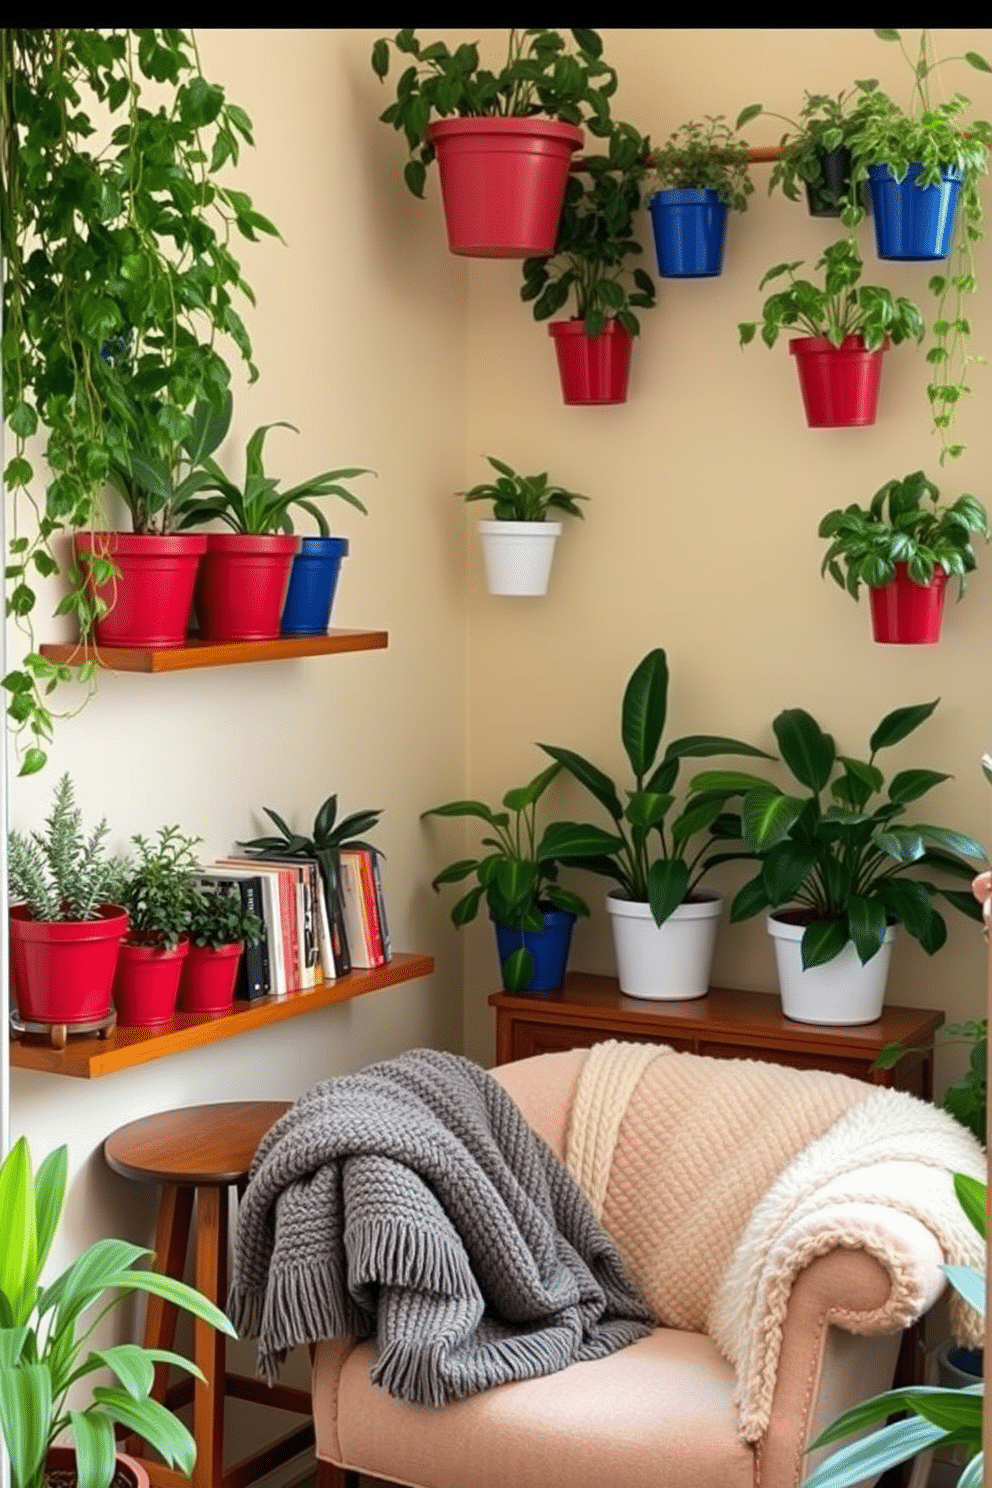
(904, 547)
(142, 582)
(699, 174)
(532, 913)
(591, 266)
(219, 925)
(518, 543)
(834, 865)
(815, 152)
(134, 258)
(45, 1353)
(503, 140)
(160, 894)
(67, 922)
(245, 574)
(664, 924)
(848, 326)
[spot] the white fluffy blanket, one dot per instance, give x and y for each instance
(789, 1165)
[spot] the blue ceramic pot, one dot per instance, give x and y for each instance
(549, 948)
(914, 222)
(312, 583)
(689, 232)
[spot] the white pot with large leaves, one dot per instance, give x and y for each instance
(518, 543)
(842, 859)
(664, 925)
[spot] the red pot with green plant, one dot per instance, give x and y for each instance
(903, 547)
(848, 326)
(66, 929)
(503, 140)
(160, 893)
(143, 584)
(219, 927)
(245, 572)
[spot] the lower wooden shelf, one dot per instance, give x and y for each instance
(89, 1057)
(197, 653)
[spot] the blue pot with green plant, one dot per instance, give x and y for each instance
(913, 220)
(700, 174)
(548, 947)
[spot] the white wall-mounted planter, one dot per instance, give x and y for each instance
(669, 962)
(518, 555)
(841, 991)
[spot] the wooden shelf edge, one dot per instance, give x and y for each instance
(198, 653)
(90, 1058)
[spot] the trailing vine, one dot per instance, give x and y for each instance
(118, 278)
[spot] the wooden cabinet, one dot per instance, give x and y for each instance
(725, 1024)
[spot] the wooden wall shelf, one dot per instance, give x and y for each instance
(197, 653)
(87, 1057)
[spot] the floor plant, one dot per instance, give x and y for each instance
(124, 297)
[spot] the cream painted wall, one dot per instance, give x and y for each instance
(706, 491)
(360, 337)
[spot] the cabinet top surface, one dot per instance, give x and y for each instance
(589, 998)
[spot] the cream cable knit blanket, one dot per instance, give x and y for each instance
(722, 1179)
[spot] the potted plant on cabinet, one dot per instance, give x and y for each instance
(699, 174)
(664, 925)
(134, 258)
(219, 925)
(160, 894)
(244, 575)
(44, 1355)
(848, 327)
(518, 544)
(595, 240)
(532, 914)
(815, 151)
(140, 584)
(66, 928)
(503, 140)
(904, 552)
(833, 871)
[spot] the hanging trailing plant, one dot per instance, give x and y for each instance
(118, 286)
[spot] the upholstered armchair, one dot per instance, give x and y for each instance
(788, 1226)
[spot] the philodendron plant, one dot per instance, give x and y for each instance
(904, 523)
(524, 498)
(44, 1336)
(839, 855)
(654, 861)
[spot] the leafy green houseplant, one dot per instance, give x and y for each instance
(518, 542)
(67, 923)
(544, 74)
(523, 498)
(929, 1416)
(217, 917)
(903, 541)
(662, 850)
(158, 483)
(143, 257)
(845, 326)
(518, 879)
(839, 854)
(43, 1352)
(160, 890)
(815, 150)
(936, 147)
(698, 176)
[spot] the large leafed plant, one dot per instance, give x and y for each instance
(119, 286)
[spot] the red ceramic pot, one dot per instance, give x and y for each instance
(208, 978)
(242, 583)
(839, 384)
(63, 970)
(146, 984)
(593, 369)
(149, 604)
(908, 614)
(503, 183)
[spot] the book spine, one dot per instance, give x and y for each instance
(311, 953)
(335, 918)
(290, 910)
(352, 912)
(380, 899)
(370, 910)
(327, 967)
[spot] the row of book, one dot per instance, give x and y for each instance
(315, 930)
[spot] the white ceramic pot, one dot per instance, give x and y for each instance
(518, 555)
(841, 991)
(669, 962)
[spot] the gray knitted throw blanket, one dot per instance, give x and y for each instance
(414, 1203)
